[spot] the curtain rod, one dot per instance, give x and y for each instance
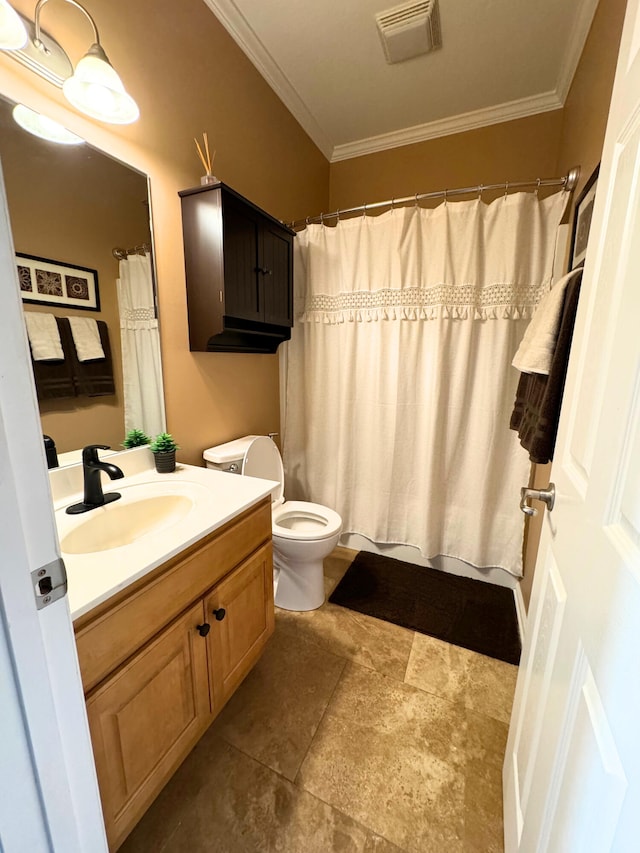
(121, 254)
(569, 182)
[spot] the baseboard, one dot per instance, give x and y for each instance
(521, 612)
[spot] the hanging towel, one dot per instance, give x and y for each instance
(538, 398)
(54, 379)
(86, 338)
(44, 336)
(535, 353)
(95, 378)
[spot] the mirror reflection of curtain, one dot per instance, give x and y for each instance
(141, 365)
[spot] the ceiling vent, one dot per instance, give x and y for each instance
(409, 30)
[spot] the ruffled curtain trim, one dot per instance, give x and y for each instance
(459, 302)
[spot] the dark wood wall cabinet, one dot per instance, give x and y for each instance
(239, 268)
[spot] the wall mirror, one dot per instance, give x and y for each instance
(73, 205)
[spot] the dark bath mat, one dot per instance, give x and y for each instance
(468, 613)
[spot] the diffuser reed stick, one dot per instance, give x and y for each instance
(206, 159)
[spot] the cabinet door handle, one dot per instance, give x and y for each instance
(203, 629)
(267, 272)
(220, 613)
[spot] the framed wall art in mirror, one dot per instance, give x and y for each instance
(582, 221)
(48, 282)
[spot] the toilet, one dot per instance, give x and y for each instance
(303, 533)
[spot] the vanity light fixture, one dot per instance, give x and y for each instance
(13, 33)
(44, 127)
(94, 88)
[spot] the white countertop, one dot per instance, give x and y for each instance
(218, 497)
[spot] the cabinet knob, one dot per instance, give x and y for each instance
(203, 629)
(220, 613)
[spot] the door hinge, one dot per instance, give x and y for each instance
(49, 583)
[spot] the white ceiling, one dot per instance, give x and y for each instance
(500, 60)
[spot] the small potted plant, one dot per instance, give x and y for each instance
(135, 438)
(164, 449)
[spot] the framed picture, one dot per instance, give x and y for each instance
(582, 221)
(47, 282)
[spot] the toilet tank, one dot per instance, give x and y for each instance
(229, 456)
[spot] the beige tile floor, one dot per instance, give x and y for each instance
(350, 735)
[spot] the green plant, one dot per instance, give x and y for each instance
(135, 438)
(163, 443)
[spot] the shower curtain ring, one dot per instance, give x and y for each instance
(506, 189)
(417, 202)
(480, 189)
(338, 215)
(537, 186)
(364, 210)
(446, 193)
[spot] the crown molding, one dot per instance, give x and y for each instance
(241, 32)
(245, 37)
(509, 111)
(574, 47)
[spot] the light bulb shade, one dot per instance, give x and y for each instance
(13, 33)
(44, 127)
(96, 90)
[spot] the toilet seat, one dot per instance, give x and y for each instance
(299, 520)
(262, 459)
(302, 520)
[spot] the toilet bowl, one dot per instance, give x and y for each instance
(303, 533)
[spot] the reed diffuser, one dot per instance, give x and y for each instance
(206, 159)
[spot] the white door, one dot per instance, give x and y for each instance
(48, 791)
(572, 768)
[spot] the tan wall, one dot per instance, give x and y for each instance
(587, 106)
(188, 76)
(516, 150)
(584, 122)
(74, 206)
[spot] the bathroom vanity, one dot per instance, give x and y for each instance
(162, 646)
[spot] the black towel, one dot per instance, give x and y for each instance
(94, 378)
(54, 379)
(538, 399)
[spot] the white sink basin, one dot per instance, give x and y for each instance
(125, 522)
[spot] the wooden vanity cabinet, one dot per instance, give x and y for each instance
(239, 271)
(245, 599)
(145, 718)
(146, 712)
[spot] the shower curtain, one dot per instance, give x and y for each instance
(399, 385)
(141, 365)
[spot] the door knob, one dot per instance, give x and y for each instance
(547, 496)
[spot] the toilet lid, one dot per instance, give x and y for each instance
(263, 459)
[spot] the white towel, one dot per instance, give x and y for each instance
(44, 336)
(535, 352)
(86, 337)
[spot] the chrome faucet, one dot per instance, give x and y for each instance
(92, 467)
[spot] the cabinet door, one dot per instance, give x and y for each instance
(240, 611)
(242, 279)
(146, 717)
(276, 263)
